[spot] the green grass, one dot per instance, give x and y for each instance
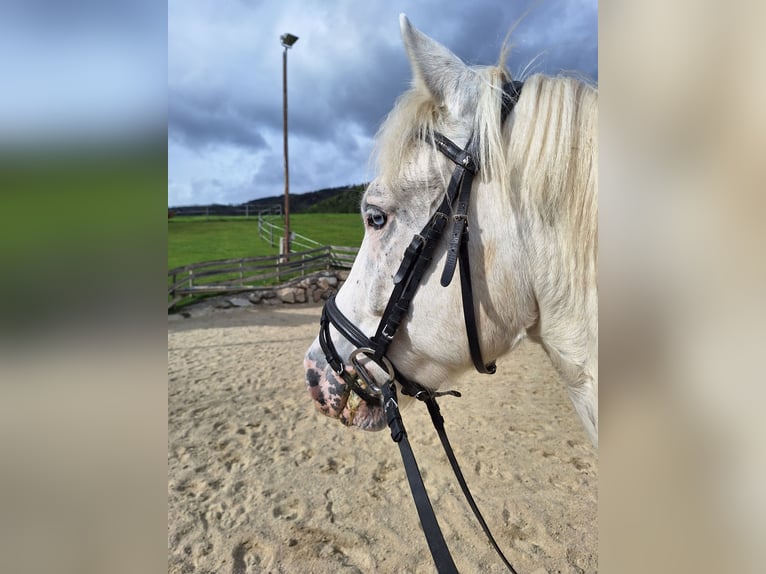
(330, 228)
(197, 239)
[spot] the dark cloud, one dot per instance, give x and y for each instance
(362, 96)
(208, 121)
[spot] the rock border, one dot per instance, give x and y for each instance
(309, 289)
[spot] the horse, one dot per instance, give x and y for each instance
(533, 245)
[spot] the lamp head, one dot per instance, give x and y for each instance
(288, 40)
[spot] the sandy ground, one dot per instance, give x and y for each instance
(260, 482)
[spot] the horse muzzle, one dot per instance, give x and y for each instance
(335, 398)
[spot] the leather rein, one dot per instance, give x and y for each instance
(415, 262)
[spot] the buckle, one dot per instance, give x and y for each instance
(386, 334)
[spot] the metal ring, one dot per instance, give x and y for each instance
(368, 351)
(362, 371)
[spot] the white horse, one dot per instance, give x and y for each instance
(533, 231)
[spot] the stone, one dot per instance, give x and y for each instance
(300, 295)
(286, 295)
(272, 301)
(260, 294)
(255, 297)
(240, 302)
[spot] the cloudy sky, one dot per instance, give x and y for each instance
(344, 73)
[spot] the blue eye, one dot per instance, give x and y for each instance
(376, 218)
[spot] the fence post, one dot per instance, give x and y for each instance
(279, 258)
(191, 278)
(241, 272)
(173, 291)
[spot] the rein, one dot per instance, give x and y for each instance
(415, 262)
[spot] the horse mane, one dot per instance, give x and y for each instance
(552, 156)
(544, 157)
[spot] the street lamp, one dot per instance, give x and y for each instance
(287, 41)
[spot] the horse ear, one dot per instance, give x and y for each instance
(440, 71)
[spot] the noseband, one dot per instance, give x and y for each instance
(415, 262)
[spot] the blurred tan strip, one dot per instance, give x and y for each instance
(683, 134)
(83, 426)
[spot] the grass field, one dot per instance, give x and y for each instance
(197, 239)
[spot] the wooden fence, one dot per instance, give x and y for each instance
(252, 273)
(269, 231)
(227, 211)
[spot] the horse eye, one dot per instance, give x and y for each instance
(376, 218)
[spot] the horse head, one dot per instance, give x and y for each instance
(510, 235)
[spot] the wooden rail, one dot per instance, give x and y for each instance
(252, 273)
(269, 231)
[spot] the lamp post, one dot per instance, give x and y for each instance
(287, 41)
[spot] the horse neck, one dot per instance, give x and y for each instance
(504, 292)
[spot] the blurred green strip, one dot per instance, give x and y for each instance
(82, 230)
(80, 199)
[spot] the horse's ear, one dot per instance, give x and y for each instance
(440, 71)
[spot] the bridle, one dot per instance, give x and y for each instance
(415, 262)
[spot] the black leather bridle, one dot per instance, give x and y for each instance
(416, 261)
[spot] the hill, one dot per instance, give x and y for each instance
(344, 199)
